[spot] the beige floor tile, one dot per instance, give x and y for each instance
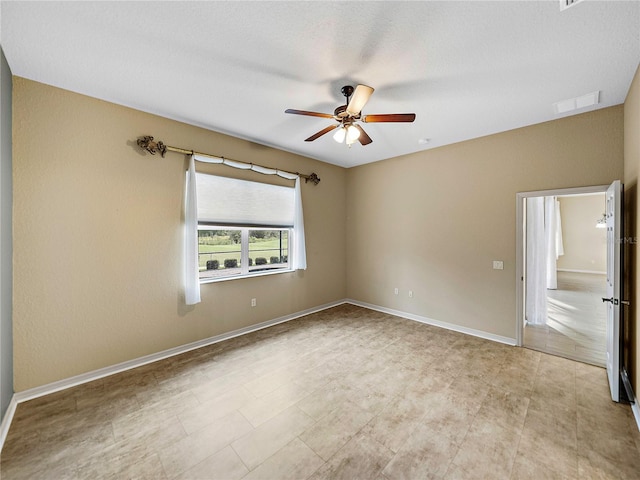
(269, 382)
(610, 439)
(393, 425)
(362, 458)
(547, 392)
(259, 410)
(216, 387)
(505, 409)
(453, 410)
(322, 401)
(122, 461)
(455, 472)
(294, 461)
(224, 464)
(452, 406)
(191, 450)
(514, 378)
(332, 431)
(164, 403)
(546, 448)
(151, 433)
(593, 465)
(427, 453)
(528, 467)
(271, 436)
(488, 449)
(196, 416)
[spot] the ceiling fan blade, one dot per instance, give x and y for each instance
(364, 139)
(310, 114)
(359, 99)
(321, 132)
(389, 117)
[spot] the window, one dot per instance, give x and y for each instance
(234, 251)
(244, 228)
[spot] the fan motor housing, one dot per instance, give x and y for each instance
(341, 111)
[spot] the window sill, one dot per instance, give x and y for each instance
(250, 275)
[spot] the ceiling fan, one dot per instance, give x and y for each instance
(347, 115)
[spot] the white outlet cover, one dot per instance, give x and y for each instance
(498, 265)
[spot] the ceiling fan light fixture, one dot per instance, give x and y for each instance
(340, 134)
(352, 134)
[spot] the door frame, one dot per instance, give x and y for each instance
(520, 242)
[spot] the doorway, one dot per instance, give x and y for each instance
(562, 278)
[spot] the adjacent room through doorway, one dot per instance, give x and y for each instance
(565, 276)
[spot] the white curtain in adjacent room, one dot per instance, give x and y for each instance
(536, 267)
(191, 280)
(544, 246)
(559, 241)
(550, 233)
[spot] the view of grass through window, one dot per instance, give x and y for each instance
(220, 252)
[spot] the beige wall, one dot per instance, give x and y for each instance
(432, 222)
(631, 167)
(585, 246)
(97, 230)
(97, 236)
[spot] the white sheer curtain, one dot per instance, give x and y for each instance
(544, 246)
(550, 231)
(559, 241)
(536, 268)
(299, 249)
(191, 280)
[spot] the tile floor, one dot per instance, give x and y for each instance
(577, 320)
(346, 393)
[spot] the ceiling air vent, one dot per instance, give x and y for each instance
(564, 4)
(577, 103)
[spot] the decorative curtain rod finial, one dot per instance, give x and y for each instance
(147, 143)
(312, 178)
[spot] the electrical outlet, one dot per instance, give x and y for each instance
(410, 293)
(395, 291)
(498, 265)
(253, 302)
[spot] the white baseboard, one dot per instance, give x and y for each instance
(581, 271)
(59, 385)
(635, 408)
(436, 323)
(6, 420)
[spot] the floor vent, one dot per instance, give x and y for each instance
(564, 4)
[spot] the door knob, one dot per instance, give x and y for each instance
(614, 301)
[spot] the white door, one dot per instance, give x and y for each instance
(614, 217)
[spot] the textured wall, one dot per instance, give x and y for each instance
(434, 221)
(631, 168)
(6, 326)
(585, 246)
(97, 229)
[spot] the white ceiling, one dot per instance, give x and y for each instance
(467, 69)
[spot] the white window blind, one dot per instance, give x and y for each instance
(229, 201)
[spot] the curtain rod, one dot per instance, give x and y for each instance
(150, 145)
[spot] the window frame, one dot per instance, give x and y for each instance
(247, 271)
